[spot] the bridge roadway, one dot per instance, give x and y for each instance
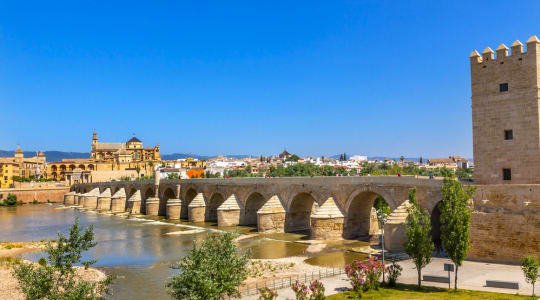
(330, 207)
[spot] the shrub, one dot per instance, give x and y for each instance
(267, 294)
(210, 271)
(394, 271)
(365, 276)
(57, 279)
(10, 200)
(314, 292)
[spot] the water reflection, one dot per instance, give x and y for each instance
(336, 259)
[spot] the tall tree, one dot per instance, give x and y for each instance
(531, 269)
(455, 222)
(421, 161)
(402, 158)
(418, 244)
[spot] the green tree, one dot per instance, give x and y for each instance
(531, 269)
(210, 271)
(421, 161)
(55, 277)
(418, 244)
(138, 169)
(455, 222)
(293, 157)
(381, 205)
(402, 158)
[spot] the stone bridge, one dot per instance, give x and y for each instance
(330, 207)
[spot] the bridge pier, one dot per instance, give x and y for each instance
(174, 208)
(69, 198)
(135, 203)
(228, 213)
(394, 229)
(197, 209)
(90, 199)
(118, 201)
(104, 200)
(327, 222)
(271, 216)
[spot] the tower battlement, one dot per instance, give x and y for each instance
(488, 55)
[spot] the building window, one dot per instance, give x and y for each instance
(503, 87)
(507, 174)
(508, 134)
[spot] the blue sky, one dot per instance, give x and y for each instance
(249, 77)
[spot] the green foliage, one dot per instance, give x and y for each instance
(464, 173)
(418, 244)
(531, 269)
(55, 278)
(455, 221)
(381, 205)
(11, 200)
(267, 294)
(394, 271)
(31, 178)
(293, 158)
(173, 176)
(210, 271)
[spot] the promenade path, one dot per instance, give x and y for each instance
(471, 276)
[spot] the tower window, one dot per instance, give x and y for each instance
(507, 174)
(508, 134)
(503, 87)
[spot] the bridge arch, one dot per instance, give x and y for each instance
(298, 216)
(190, 194)
(168, 193)
(253, 203)
(361, 219)
(212, 205)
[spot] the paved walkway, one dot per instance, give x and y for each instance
(471, 276)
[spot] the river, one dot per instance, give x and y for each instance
(140, 251)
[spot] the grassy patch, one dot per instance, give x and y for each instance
(8, 260)
(403, 291)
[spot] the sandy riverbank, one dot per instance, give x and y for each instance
(15, 248)
(9, 286)
(263, 269)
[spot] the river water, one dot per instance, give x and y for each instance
(140, 251)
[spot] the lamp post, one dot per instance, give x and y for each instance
(381, 215)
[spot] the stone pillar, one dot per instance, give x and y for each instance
(174, 208)
(271, 217)
(69, 199)
(152, 206)
(228, 213)
(197, 209)
(90, 199)
(394, 229)
(104, 200)
(134, 203)
(118, 201)
(327, 222)
(80, 199)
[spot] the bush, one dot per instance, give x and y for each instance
(55, 277)
(267, 294)
(365, 276)
(301, 291)
(11, 200)
(394, 271)
(210, 271)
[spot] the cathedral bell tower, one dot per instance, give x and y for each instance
(94, 143)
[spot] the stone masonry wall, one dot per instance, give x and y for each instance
(42, 195)
(505, 223)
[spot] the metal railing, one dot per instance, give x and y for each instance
(288, 281)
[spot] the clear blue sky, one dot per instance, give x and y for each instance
(220, 77)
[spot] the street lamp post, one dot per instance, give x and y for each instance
(382, 219)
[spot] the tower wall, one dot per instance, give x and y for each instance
(496, 109)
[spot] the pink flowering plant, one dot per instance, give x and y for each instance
(314, 292)
(267, 294)
(317, 290)
(300, 290)
(364, 276)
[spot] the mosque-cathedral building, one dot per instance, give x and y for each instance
(108, 161)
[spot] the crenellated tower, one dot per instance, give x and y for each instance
(505, 113)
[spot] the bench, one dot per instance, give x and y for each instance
(503, 284)
(435, 278)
